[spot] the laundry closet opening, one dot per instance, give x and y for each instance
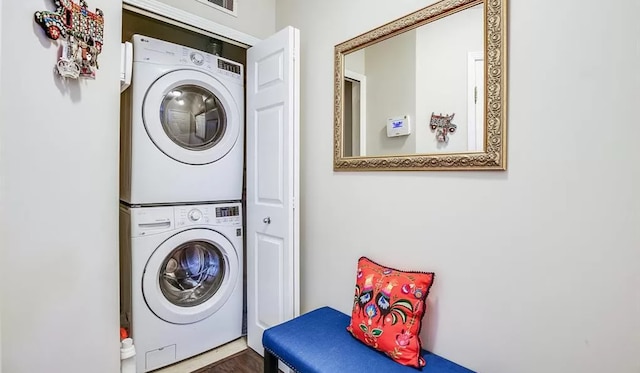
(136, 23)
(201, 115)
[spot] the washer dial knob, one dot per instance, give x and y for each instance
(195, 215)
(197, 58)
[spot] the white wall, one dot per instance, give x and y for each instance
(1, 182)
(356, 61)
(537, 267)
(442, 51)
(254, 17)
(59, 198)
(390, 92)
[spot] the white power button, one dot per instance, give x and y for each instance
(195, 215)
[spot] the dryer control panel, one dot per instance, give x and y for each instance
(157, 51)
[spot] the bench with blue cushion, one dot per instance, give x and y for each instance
(318, 342)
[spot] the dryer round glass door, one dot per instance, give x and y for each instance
(190, 276)
(191, 117)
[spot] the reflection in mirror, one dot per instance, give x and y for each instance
(434, 70)
(355, 113)
(424, 92)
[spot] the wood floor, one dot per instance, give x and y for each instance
(247, 361)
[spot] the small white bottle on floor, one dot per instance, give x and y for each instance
(127, 356)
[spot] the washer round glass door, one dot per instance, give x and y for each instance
(191, 117)
(190, 276)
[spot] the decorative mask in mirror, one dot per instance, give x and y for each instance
(424, 92)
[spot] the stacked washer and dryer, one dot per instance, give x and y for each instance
(181, 223)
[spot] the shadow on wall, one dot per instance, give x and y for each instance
(430, 323)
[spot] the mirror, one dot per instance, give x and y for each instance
(424, 92)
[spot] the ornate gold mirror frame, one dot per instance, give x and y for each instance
(493, 154)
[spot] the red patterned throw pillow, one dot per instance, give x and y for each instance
(387, 310)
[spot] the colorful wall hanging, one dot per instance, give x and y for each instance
(81, 33)
(442, 126)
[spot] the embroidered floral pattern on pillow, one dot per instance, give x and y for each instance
(388, 306)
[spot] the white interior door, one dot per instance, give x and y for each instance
(272, 183)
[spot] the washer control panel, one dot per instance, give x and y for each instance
(220, 214)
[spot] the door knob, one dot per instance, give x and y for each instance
(267, 220)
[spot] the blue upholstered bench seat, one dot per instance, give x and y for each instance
(318, 342)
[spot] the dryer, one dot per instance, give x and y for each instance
(181, 279)
(184, 138)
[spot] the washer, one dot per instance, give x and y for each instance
(184, 139)
(181, 279)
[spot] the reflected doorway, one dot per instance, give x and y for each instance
(355, 132)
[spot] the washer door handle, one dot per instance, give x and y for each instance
(267, 220)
